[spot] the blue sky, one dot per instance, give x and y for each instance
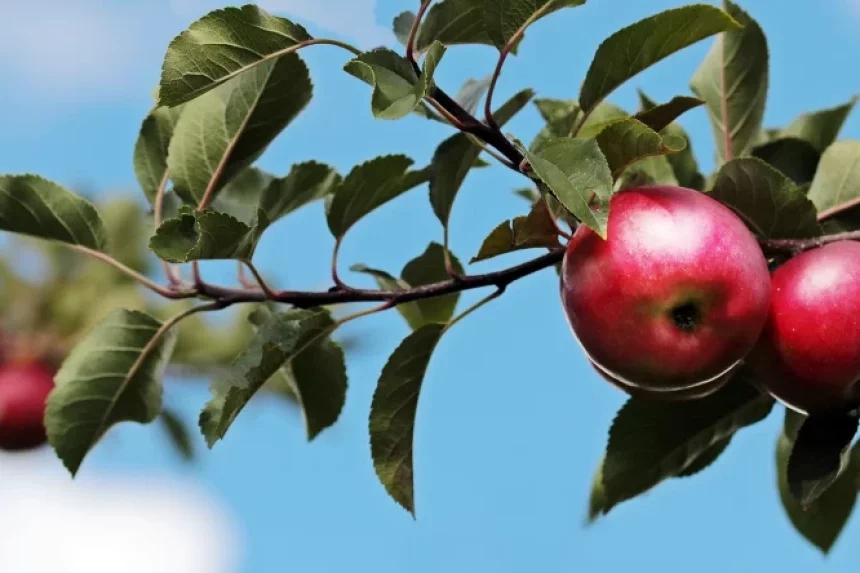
(512, 421)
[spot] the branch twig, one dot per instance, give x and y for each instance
(797, 246)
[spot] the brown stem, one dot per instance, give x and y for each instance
(797, 246)
(503, 55)
(413, 32)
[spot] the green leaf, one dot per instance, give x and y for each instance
(733, 81)
(795, 158)
(305, 183)
(824, 519)
(227, 129)
(221, 45)
(705, 459)
(627, 141)
(402, 26)
(279, 339)
(660, 116)
(150, 150)
(241, 196)
(408, 310)
(35, 206)
(768, 201)
(535, 230)
(641, 45)
(253, 189)
(820, 128)
(819, 455)
(504, 18)
(655, 170)
(207, 235)
(575, 170)
(650, 441)
(471, 92)
(837, 180)
(455, 157)
(178, 433)
(365, 188)
(393, 410)
(685, 168)
(113, 375)
(427, 268)
(453, 22)
(397, 88)
(318, 374)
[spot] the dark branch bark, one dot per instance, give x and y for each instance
(796, 246)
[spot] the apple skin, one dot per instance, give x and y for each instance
(669, 395)
(808, 356)
(674, 298)
(24, 388)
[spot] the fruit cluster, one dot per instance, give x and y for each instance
(680, 295)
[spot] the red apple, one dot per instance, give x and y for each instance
(666, 395)
(809, 353)
(24, 387)
(674, 297)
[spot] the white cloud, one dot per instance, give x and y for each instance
(354, 20)
(49, 522)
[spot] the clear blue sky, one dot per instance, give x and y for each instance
(512, 421)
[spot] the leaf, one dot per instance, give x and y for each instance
(408, 310)
(206, 235)
(504, 18)
(397, 88)
(150, 149)
(225, 130)
(820, 128)
(795, 158)
(318, 374)
(660, 116)
(393, 410)
(684, 167)
(654, 170)
(819, 455)
(402, 26)
(575, 170)
(113, 375)
(629, 140)
(454, 158)
(652, 440)
(471, 92)
(733, 81)
(253, 189)
(823, 521)
(768, 201)
(280, 337)
(453, 22)
(306, 182)
(35, 206)
(221, 45)
(534, 230)
(427, 268)
(178, 433)
(837, 180)
(365, 188)
(705, 459)
(641, 45)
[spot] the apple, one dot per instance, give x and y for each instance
(24, 388)
(808, 356)
(675, 296)
(667, 395)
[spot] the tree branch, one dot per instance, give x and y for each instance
(797, 246)
(838, 209)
